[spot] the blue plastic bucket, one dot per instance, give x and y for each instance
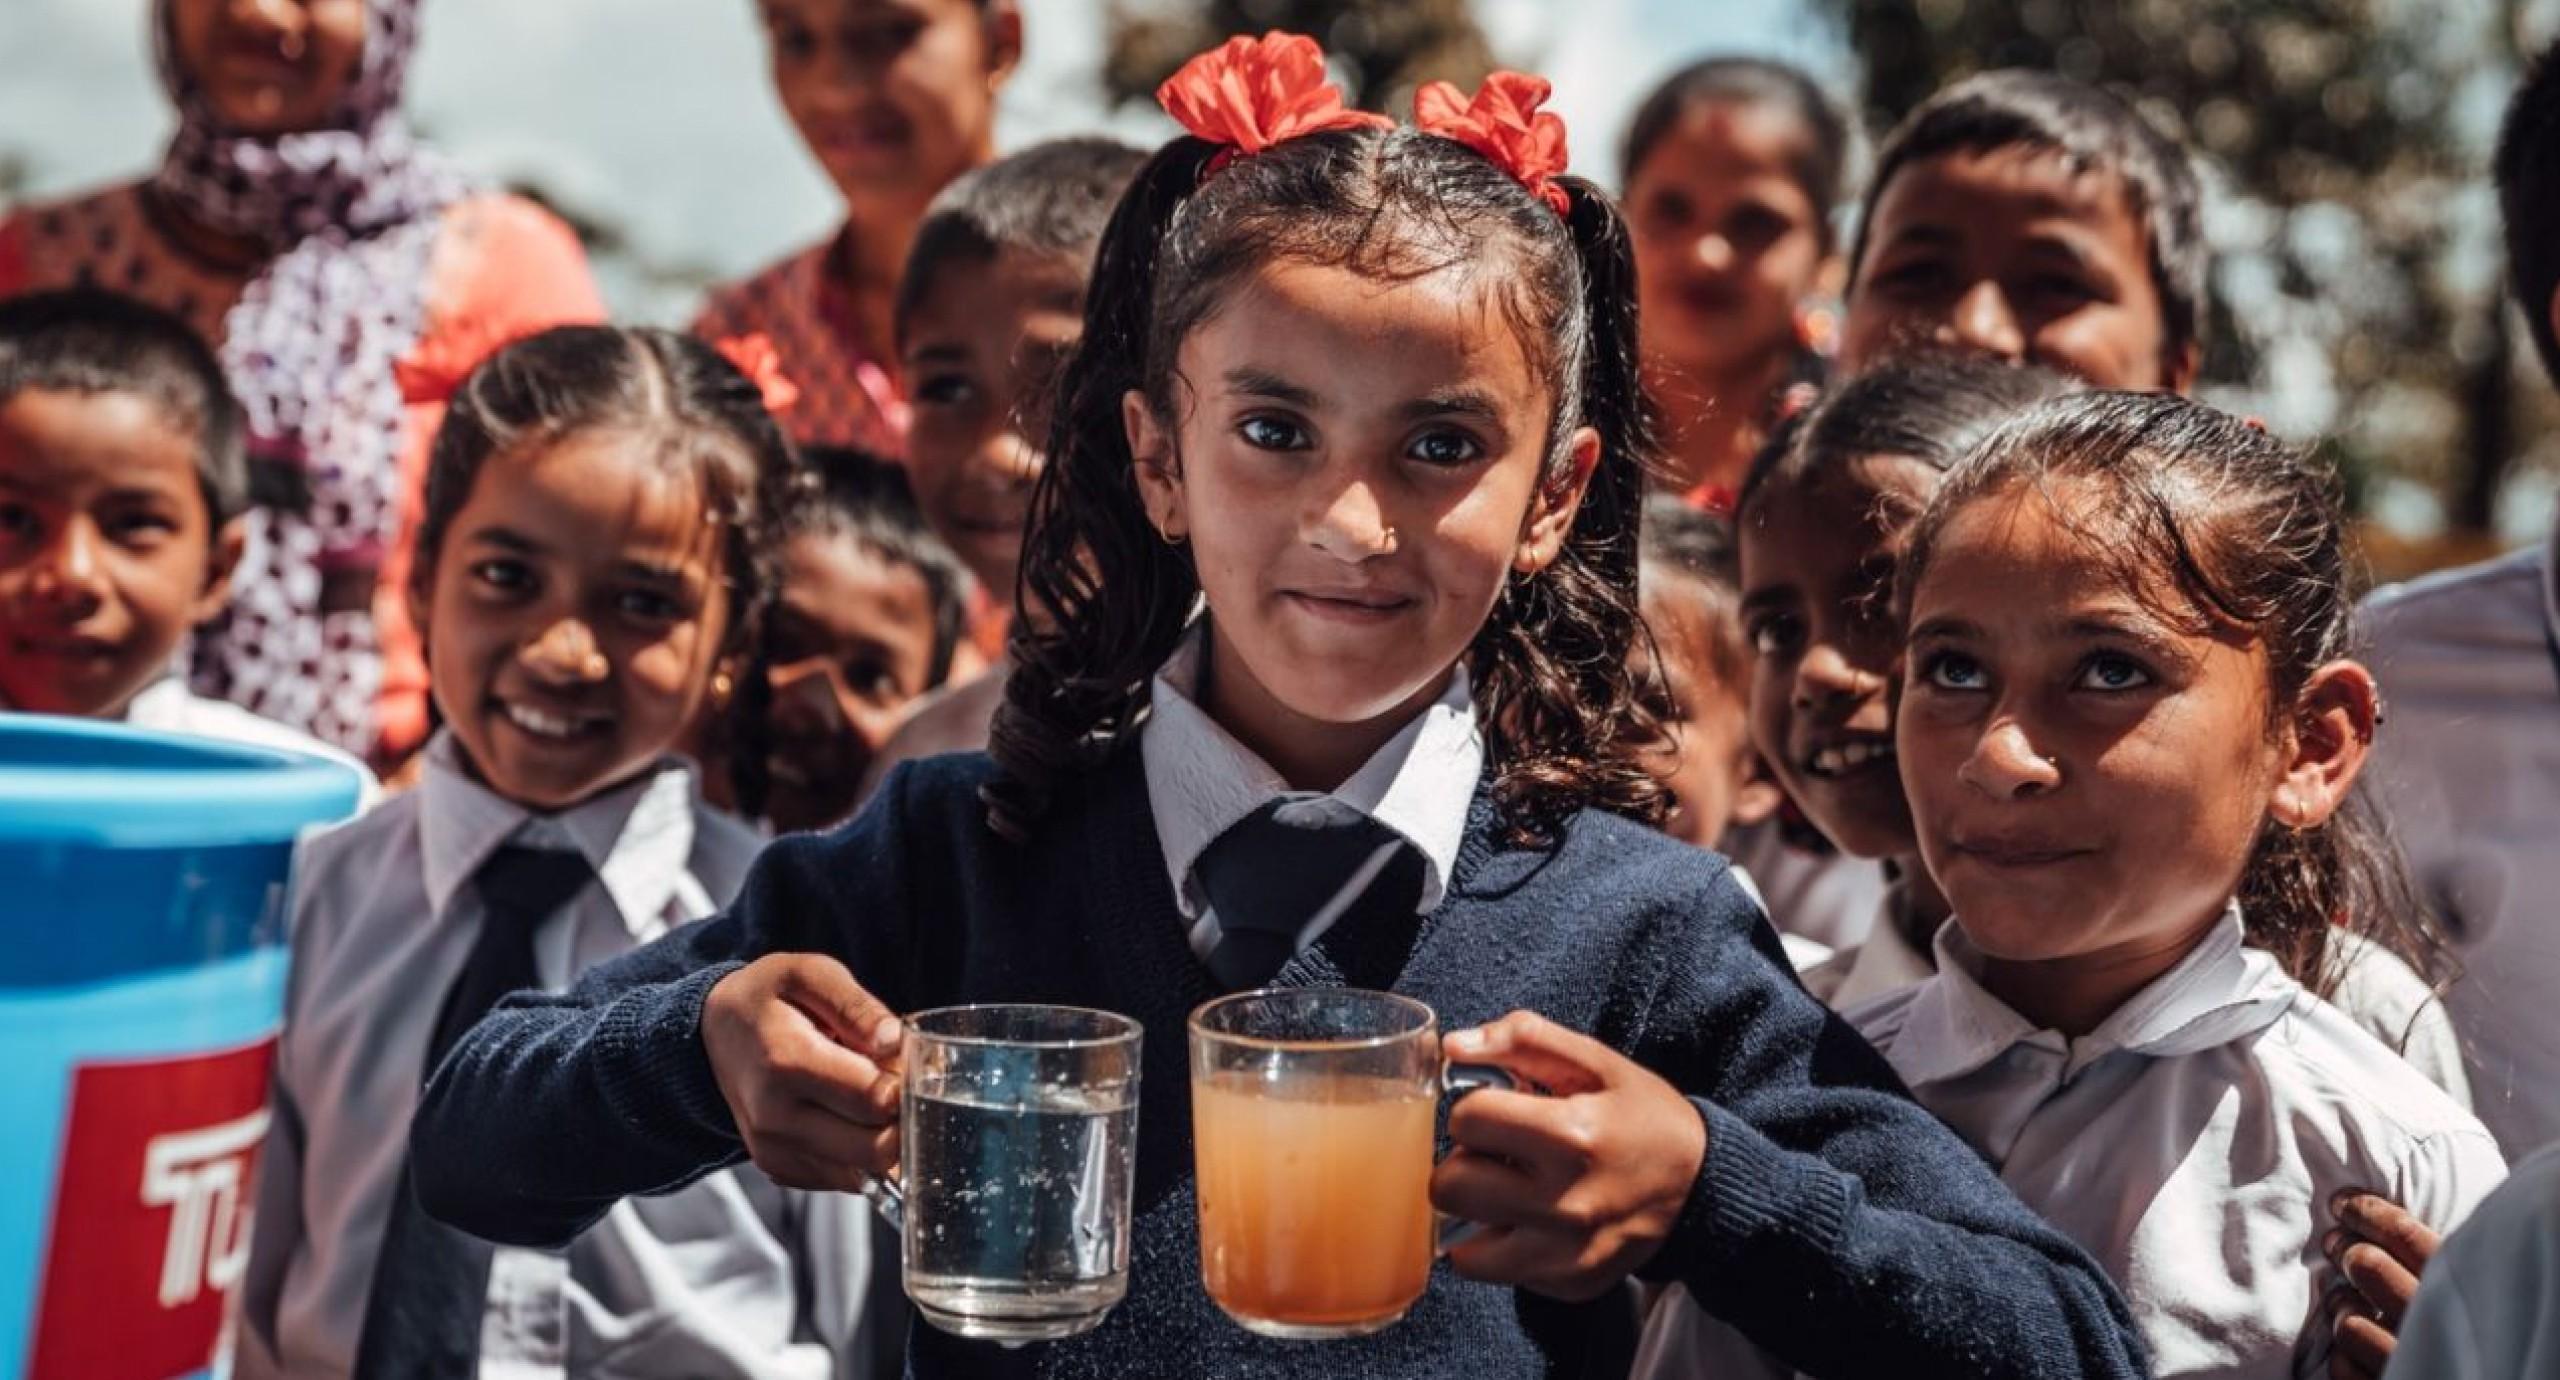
(142, 970)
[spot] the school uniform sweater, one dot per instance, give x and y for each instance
(1833, 1219)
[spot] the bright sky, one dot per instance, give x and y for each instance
(654, 115)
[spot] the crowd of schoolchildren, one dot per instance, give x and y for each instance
(2102, 983)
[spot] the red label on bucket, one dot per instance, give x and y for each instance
(150, 1222)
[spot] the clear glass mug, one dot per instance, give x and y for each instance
(1312, 1116)
(1017, 1139)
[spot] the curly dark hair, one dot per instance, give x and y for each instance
(1563, 719)
(2249, 536)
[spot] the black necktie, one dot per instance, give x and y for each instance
(431, 1283)
(1294, 869)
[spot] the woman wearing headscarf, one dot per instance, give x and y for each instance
(346, 276)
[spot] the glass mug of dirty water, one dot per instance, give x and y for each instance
(1017, 1133)
(1312, 1124)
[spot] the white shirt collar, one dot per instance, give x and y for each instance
(1885, 961)
(2218, 992)
(163, 701)
(1201, 782)
(637, 836)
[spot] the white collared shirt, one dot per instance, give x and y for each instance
(2190, 1143)
(167, 705)
(1201, 782)
(1882, 962)
(2375, 989)
(706, 1281)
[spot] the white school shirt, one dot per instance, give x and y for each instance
(707, 1281)
(2375, 989)
(1201, 782)
(2489, 1307)
(167, 705)
(2468, 772)
(2190, 1143)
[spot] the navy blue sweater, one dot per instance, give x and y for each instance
(1834, 1221)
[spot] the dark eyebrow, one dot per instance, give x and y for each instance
(1944, 625)
(1926, 235)
(938, 354)
(1461, 402)
(1768, 596)
(507, 539)
(1267, 385)
(655, 574)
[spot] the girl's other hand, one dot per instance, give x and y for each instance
(1575, 1189)
(808, 1063)
(2379, 1251)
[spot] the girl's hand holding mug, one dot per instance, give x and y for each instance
(1575, 1189)
(808, 1063)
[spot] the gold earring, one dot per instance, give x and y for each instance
(721, 686)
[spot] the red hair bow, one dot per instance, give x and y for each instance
(762, 364)
(1252, 93)
(1504, 124)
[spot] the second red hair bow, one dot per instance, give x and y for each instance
(1505, 124)
(1251, 93)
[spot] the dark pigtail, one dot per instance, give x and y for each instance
(1106, 597)
(1567, 718)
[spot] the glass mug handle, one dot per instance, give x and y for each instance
(1455, 1083)
(887, 1199)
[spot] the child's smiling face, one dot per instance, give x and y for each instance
(270, 69)
(1707, 759)
(576, 610)
(852, 646)
(893, 97)
(1818, 559)
(2087, 774)
(2011, 252)
(1727, 240)
(107, 553)
(1359, 467)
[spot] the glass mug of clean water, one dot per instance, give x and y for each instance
(1017, 1130)
(1312, 1123)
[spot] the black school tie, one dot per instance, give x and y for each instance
(1294, 869)
(431, 1283)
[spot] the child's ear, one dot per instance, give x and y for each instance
(1759, 798)
(1159, 477)
(2333, 722)
(1004, 40)
(1551, 513)
(2179, 373)
(420, 575)
(222, 559)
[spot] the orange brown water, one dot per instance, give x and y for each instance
(1315, 1208)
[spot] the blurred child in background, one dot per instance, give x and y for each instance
(1731, 169)
(2030, 217)
(122, 483)
(872, 609)
(894, 99)
(991, 306)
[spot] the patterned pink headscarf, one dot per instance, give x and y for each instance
(351, 210)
